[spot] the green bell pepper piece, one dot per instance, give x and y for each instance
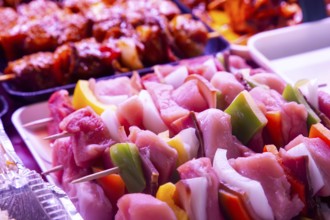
(127, 158)
(293, 94)
(246, 117)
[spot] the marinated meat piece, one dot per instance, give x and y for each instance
(293, 116)
(160, 153)
(189, 97)
(89, 135)
(60, 106)
(130, 112)
(216, 128)
(62, 155)
(273, 81)
(324, 102)
(91, 201)
(202, 167)
(33, 71)
(254, 196)
(320, 153)
(161, 94)
(265, 169)
(141, 206)
(296, 169)
(113, 87)
(88, 197)
(228, 85)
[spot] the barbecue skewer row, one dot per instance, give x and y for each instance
(149, 44)
(82, 90)
(290, 93)
(44, 25)
(314, 133)
(243, 94)
(66, 64)
(11, 76)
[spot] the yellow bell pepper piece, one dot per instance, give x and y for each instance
(178, 145)
(83, 96)
(221, 23)
(165, 193)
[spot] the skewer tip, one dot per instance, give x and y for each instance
(96, 175)
(57, 136)
(6, 77)
(54, 169)
(213, 34)
(39, 122)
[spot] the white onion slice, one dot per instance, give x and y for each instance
(212, 68)
(315, 174)
(151, 118)
(198, 187)
(113, 99)
(177, 77)
(110, 119)
(252, 188)
(190, 142)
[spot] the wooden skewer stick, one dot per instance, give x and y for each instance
(213, 34)
(38, 122)
(97, 175)
(6, 77)
(215, 4)
(54, 169)
(57, 136)
(240, 39)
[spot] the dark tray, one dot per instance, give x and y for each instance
(3, 106)
(214, 45)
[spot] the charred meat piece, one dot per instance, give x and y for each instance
(155, 43)
(113, 28)
(84, 59)
(33, 71)
(37, 9)
(36, 31)
(249, 16)
(70, 62)
(8, 19)
(54, 30)
(190, 35)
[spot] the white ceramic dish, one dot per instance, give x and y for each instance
(297, 52)
(33, 137)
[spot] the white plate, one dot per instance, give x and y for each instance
(297, 52)
(33, 137)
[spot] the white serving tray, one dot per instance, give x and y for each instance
(296, 52)
(33, 137)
